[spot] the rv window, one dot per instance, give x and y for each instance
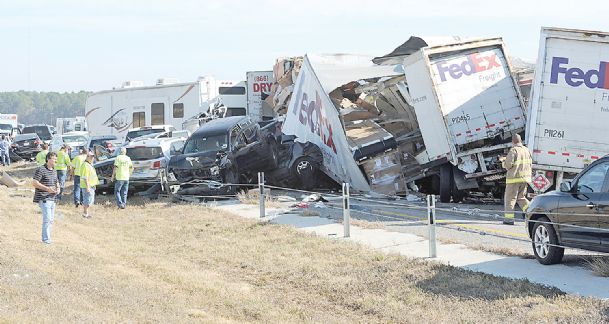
(231, 90)
(139, 119)
(178, 110)
(158, 114)
(233, 111)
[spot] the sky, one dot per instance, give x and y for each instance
(93, 45)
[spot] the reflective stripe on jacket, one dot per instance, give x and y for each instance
(518, 165)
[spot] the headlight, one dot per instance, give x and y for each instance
(215, 170)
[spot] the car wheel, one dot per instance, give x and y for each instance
(305, 172)
(545, 243)
(446, 182)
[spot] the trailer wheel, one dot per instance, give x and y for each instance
(457, 194)
(446, 182)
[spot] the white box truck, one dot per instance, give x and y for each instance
(9, 124)
(258, 88)
(468, 105)
(569, 105)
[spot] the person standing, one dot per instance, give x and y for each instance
(5, 149)
(61, 166)
(41, 156)
(123, 168)
(76, 164)
(518, 164)
(46, 188)
(88, 181)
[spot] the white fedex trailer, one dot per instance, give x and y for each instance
(569, 105)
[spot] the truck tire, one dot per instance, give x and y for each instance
(446, 182)
(457, 194)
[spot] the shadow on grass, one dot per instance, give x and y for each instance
(467, 284)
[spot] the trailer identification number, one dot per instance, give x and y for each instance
(554, 133)
(460, 119)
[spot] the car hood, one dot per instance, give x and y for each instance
(193, 160)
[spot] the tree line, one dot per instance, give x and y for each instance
(35, 107)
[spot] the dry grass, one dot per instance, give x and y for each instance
(599, 265)
(164, 262)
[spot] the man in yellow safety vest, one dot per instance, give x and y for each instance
(41, 157)
(62, 167)
(518, 164)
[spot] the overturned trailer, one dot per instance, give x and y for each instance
(439, 120)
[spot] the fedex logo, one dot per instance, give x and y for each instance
(576, 76)
(473, 63)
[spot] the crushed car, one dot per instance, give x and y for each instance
(26, 146)
(220, 154)
(224, 155)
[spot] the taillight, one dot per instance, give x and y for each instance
(156, 165)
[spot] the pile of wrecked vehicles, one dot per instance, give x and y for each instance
(427, 118)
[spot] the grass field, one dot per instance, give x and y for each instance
(164, 262)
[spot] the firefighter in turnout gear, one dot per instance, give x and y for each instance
(518, 165)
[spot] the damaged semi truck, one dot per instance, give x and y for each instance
(440, 120)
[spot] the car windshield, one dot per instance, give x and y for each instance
(80, 139)
(142, 153)
(25, 137)
(213, 143)
(42, 131)
(5, 127)
(142, 132)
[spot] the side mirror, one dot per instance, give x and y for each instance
(566, 186)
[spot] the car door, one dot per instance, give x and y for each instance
(583, 206)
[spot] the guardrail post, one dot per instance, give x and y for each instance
(261, 186)
(431, 221)
(346, 211)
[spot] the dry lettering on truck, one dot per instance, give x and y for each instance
(553, 133)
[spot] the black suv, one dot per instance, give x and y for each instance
(578, 213)
(228, 151)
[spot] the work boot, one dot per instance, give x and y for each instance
(508, 222)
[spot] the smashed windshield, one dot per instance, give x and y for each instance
(213, 143)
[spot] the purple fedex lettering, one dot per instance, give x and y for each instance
(474, 63)
(575, 77)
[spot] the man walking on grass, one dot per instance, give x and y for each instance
(123, 168)
(47, 186)
(518, 164)
(76, 164)
(88, 181)
(61, 166)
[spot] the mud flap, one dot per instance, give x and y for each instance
(461, 182)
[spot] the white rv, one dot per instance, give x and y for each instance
(113, 112)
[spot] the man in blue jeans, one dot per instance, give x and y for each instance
(123, 168)
(76, 165)
(47, 187)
